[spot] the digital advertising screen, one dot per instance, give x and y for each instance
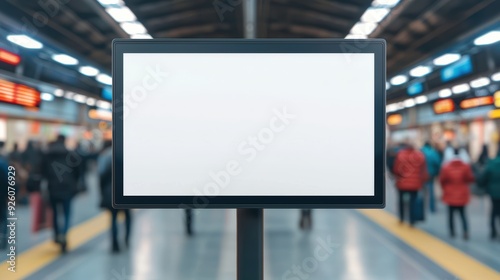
(248, 125)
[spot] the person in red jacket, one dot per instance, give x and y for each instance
(410, 172)
(455, 178)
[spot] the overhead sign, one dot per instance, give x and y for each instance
(394, 119)
(415, 88)
(444, 106)
(496, 96)
(106, 93)
(457, 69)
(9, 58)
(476, 102)
(19, 94)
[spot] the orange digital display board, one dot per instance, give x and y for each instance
(394, 119)
(476, 102)
(9, 58)
(19, 94)
(444, 106)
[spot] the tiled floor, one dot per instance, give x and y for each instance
(350, 246)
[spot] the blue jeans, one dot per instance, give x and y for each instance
(429, 187)
(66, 211)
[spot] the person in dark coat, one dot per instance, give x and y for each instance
(490, 180)
(411, 174)
(455, 178)
(32, 159)
(60, 169)
(104, 162)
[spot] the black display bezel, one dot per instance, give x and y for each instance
(375, 46)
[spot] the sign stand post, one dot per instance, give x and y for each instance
(250, 244)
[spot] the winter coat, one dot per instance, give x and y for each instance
(410, 170)
(61, 169)
(432, 160)
(490, 178)
(455, 178)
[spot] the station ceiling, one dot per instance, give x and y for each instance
(414, 29)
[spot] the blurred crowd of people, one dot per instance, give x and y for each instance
(415, 171)
(48, 178)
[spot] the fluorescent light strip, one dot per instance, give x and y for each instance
(408, 103)
(399, 80)
(420, 71)
(25, 41)
(46, 96)
(126, 18)
(88, 71)
(496, 77)
(370, 18)
(105, 79)
(421, 99)
(65, 59)
(444, 93)
(59, 92)
(446, 59)
(488, 38)
(121, 14)
(479, 82)
(460, 88)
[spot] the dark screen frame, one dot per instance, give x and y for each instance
(375, 46)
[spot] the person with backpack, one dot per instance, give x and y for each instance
(490, 181)
(455, 178)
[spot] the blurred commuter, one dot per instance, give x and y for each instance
(4, 165)
(105, 179)
(189, 221)
(433, 162)
(411, 174)
(478, 169)
(305, 219)
(490, 180)
(32, 159)
(455, 178)
(392, 152)
(15, 157)
(62, 175)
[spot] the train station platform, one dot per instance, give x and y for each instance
(352, 244)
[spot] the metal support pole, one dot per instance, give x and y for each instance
(250, 244)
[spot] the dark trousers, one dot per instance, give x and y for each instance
(114, 225)
(3, 224)
(65, 206)
(495, 214)
(305, 213)
(413, 198)
(461, 212)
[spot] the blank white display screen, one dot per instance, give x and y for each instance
(248, 124)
